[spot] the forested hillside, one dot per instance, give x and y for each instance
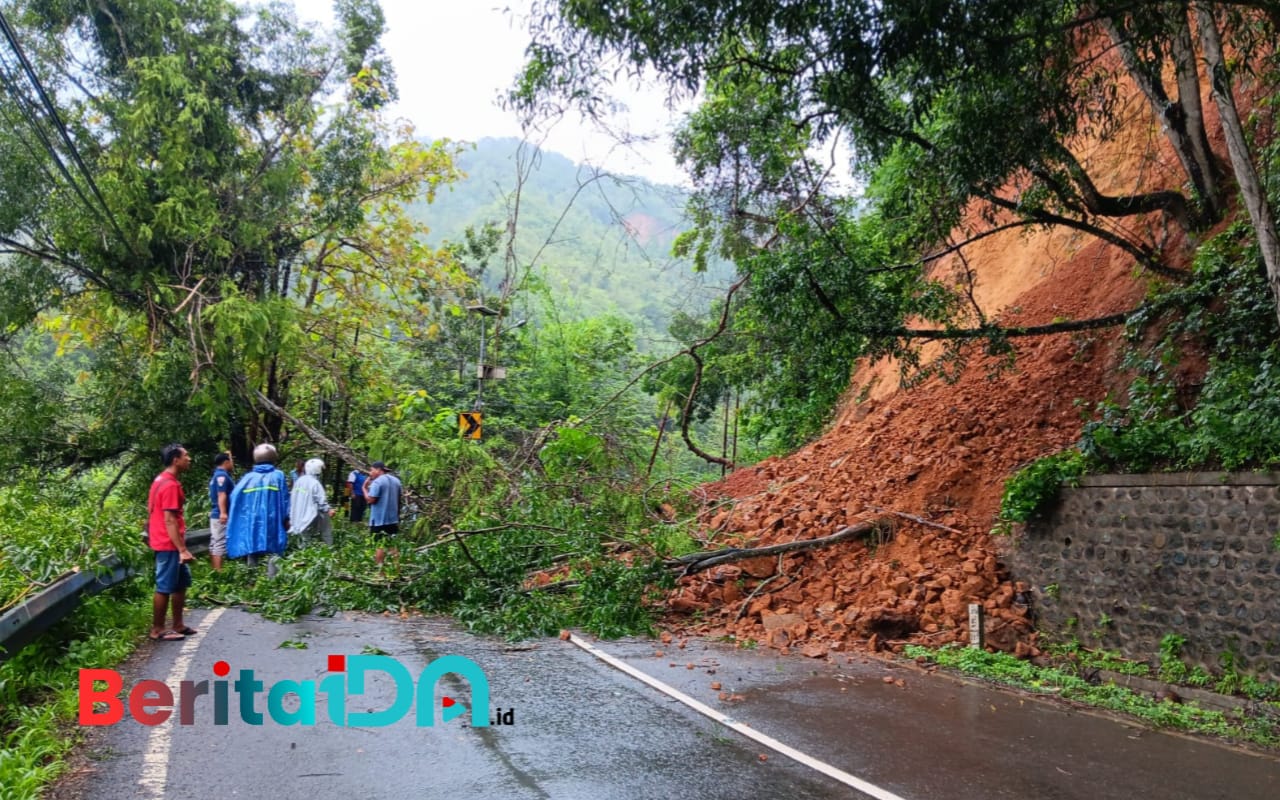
(587, 243)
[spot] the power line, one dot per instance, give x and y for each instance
(16, 125)
(33, 123)
(103, 211)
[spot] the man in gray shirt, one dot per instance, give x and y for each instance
(382, 492)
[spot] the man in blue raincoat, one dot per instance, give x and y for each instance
(258, 520)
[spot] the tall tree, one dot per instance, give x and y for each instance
(213, 193)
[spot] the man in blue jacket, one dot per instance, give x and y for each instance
(258, 522)
(355, 490)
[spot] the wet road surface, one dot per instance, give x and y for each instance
(937, 737)
(582, 729)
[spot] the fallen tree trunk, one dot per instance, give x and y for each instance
(697, 562)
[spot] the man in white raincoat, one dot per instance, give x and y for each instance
(309, 511)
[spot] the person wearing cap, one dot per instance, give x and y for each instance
(382, 493)
(220, 486)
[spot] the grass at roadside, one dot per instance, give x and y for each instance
(1257, 723)
(49, 526)
(38, 686)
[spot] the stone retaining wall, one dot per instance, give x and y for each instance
(1124, 560)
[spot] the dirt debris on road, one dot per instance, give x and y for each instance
(932, 459)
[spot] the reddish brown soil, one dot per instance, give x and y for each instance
(940, 452)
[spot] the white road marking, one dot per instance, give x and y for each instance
(840, 775)
(155, 762)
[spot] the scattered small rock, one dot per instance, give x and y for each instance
(814, 650)
(1167, 695)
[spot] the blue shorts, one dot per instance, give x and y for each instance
(171, 574)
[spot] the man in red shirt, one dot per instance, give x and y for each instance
(167, 532)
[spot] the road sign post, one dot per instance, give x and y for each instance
(470, 424)
(482, 311)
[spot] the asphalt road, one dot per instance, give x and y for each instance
(580, 728)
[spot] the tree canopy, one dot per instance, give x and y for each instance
(192, 192)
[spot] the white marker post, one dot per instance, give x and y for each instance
(977, 618)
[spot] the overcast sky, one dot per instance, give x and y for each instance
(453, 57)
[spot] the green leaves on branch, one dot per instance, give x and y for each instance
(1169, 419)
(48, 528)
(959, 120)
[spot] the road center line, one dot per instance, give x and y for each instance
(840, 775)
(155, 761)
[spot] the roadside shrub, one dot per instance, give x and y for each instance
(1034, 487)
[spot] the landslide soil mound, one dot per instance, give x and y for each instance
(939, 453)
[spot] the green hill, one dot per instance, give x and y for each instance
(598, 243)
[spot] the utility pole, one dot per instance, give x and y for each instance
(483, 312)
(724, 441)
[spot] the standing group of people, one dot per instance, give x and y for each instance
(252, 518)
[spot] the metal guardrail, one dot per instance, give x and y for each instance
(24, 622)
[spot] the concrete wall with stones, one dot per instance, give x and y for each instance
(1125, 559)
